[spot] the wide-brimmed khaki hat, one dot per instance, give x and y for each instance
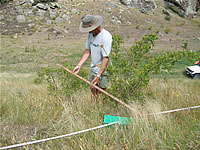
(90, 22)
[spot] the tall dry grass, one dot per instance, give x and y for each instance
(29, 112)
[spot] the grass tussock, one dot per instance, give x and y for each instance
(29, 112)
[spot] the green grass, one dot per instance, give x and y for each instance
(178, 70)
(30, 56)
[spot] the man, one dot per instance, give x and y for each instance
(98, 46)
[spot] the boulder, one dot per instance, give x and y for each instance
(2, 17)
(58, 20)
(52, 14)
(74, 11)
(116, 20)
(21, 19)
(49, 22)
(42, 6)
(142, 4)
(53, 5)
(19, 10)
(110, 4)
(184, 8)
(29, 1)
(108, 10)
(40, 12)
(65, 17)
(28, 11)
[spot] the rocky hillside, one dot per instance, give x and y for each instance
(130, 18)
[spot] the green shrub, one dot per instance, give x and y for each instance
(60, 81)
(150, 28)
(137, 26)
(185, 45)
(131, 69)
(167, 18)
(167, 30)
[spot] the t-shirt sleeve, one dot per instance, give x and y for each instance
(106, 46)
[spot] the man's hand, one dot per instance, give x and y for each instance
(96, 80)
(76, 70)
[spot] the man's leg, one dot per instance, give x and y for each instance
(94, 95)
(96, 92)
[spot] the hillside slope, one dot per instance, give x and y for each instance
(54, 34)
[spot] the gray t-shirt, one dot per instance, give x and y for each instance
(100, 46)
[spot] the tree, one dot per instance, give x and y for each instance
(132, 67)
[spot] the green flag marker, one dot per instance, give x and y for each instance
(123, 120)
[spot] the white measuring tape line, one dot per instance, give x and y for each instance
(57, 137)
(175, 110)
(98, 127)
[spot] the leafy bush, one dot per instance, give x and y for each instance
(131, 69)
(60, 81)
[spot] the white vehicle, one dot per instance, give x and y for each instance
(194, 71)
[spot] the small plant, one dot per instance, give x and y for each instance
(185, 45)
(28, 49)
(50, 29)
(158, 31)
(150, 28)
(167, 30)
(48, 37)
(167, 18)
(137, 26)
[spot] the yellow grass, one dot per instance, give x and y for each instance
(29, 112)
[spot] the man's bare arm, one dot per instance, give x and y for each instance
(103, 67)
(83, 59)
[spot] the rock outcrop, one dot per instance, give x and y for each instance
(184, 8)
(142, 4)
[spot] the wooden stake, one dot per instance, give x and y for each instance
(103, 91)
